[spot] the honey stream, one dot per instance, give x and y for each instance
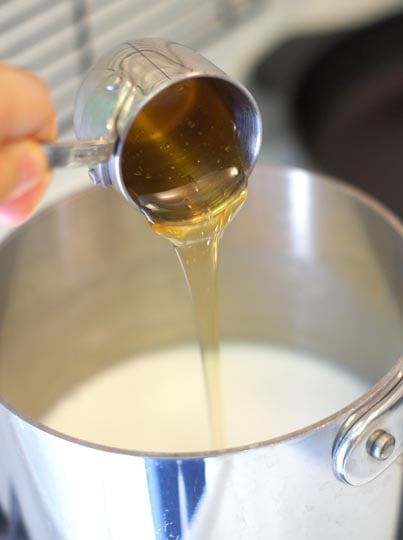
(182, 164)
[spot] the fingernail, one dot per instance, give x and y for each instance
(23, 187)
(17, 210)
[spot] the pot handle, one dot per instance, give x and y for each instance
(371, 439)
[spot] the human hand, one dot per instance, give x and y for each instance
(27, 119)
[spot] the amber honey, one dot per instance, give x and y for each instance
(184, 167)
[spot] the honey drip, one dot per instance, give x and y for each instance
(183, 165)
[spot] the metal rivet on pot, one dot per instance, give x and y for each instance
(114, 84)
(381, 445)
(93, 176)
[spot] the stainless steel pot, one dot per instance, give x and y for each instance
(315, 265)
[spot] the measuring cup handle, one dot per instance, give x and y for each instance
(80, 153)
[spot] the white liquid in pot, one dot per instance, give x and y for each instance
(157, 402)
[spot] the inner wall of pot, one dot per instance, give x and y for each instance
(305, 265)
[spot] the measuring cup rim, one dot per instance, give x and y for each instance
(114, 164)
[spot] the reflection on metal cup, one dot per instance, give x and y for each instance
(133, 76)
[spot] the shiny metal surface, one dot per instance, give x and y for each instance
(78, 153)
(381, 445)
(363, 436)
(121, 83)
(307, 264)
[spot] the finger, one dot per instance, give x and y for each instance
(17, 210)
(23, 168)
(26, 109)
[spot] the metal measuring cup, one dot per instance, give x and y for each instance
(121, 84)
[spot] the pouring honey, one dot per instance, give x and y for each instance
(184, 167)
